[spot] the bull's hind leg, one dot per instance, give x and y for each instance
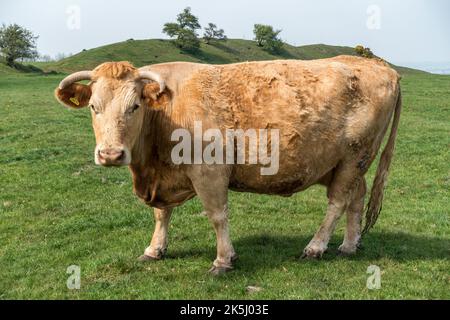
(354, 218)
(340, 190)
(158, 245)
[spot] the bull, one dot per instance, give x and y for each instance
(332, 115)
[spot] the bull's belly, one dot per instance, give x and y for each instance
(163, 200)
(275, 188)
(249, 179)
(301, 164)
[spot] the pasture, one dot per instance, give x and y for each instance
(58, 209)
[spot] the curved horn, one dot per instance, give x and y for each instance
(150, 75)
(75, 77)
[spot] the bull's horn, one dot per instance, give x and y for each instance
(150, 75)
(75, 77)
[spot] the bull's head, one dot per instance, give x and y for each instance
(118, 95)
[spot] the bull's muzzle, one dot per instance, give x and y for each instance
(112, 157)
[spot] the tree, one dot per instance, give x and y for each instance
(212, 33)
(188, 40)
(171, 29)
(184, 31)
(187, 20)
(17, 42)
(267, 37)
(45, 58)
(364, 52)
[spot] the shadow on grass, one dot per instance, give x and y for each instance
(271, 252)
(24, 68)
(283, 53)
(208, 57)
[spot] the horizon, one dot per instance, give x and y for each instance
(399, 37)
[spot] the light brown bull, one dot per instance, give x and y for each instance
(332, 115)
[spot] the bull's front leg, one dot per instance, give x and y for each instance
(158, 246)
(225, 252)
(212, 189)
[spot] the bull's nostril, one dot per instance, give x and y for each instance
(121, 155)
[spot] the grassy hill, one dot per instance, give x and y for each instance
(144, 52)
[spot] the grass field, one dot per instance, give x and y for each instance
(58, 209)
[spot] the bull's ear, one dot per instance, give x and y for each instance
(75, 95)
(153, 97)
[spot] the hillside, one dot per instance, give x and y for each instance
(144, 52)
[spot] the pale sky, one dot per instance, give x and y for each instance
(401, 31)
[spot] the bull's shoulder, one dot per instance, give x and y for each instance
(175, 74)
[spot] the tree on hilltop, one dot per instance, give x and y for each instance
(267, 38)
(184, 31)
(213, 33)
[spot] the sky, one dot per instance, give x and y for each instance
(407, 32)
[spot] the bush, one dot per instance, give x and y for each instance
(364, 52)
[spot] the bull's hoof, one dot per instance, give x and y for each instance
(146, 258)
(311, 256)
(313, 253)
(347, 251)
(217, 271)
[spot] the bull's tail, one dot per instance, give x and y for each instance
(376, 195)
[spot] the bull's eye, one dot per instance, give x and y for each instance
(133, 108)
(94, 109)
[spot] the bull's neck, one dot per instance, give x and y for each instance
(153, 144)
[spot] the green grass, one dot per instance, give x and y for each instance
(57, 209)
